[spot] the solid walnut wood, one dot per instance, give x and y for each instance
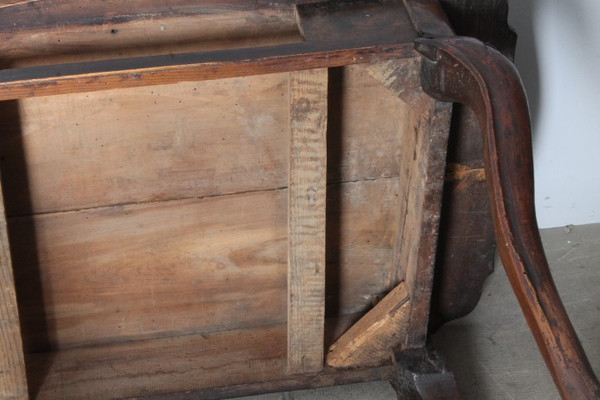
(466, 248)
(13, 381)
(466, 70)
(307, 193)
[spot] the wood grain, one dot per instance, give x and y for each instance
(129, 288)
(154, 269)
(419, 232)
(201, 366)
(219, 263)
(334, 33)
(401, 78)
(422, 156)
(76, 151)
(371, 340)
(306, 230)
(13, 380)
(84, 257)
(463, 265)
(112, 31)
(488, 82)
(422, 175)
(128, 146)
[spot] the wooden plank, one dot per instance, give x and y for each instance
(218, 263)
(86, 261)
(69, 34)
(422, 224)
(197, 366)
(360, 244)
(138, 145)
(76, 151)
(13, 379)
(306, 229)
(335, 34)
(159, 70)
(167, 365)
(156, 269)
(371, 340)
(64, 296)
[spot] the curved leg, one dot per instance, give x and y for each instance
(467, 71)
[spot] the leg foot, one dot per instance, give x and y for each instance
(421, 375)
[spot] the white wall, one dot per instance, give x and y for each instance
(558, 56)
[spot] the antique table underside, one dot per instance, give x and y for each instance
(219, 198)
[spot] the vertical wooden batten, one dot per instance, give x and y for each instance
(13, 380)
(306, 226)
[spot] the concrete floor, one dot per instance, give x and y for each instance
(491, 351)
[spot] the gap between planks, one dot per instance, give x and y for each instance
(188, 198)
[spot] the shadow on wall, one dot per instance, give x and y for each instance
(525, 18)
(521, 19)
(558, 52)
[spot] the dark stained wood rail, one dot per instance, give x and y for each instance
(467, 71)
(333, 34)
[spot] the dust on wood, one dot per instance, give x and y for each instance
(306, 231)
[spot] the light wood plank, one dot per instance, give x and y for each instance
(90, 150)
(197, 366)
(167, 365)
(371, 340)
(306, 229)
(77, 151)
(13, 380)
(88, 260)
(140, 271)
(218, 263)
